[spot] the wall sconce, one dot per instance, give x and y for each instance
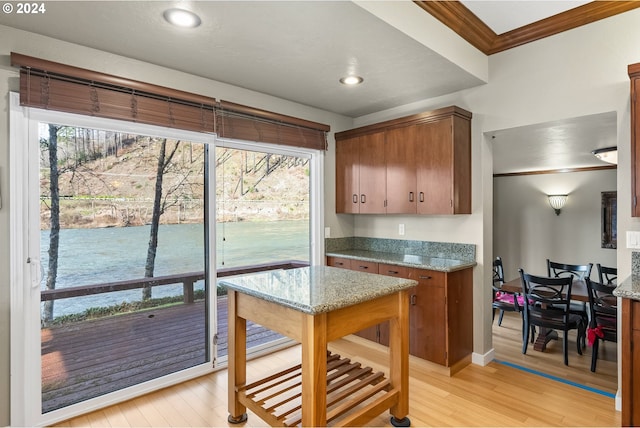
(557, 202)
(608, 154)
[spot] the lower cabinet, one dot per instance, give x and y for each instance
(440, 311)
(427, 317)
(630, 362)
(441, 316)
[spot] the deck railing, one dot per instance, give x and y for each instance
(186, 279)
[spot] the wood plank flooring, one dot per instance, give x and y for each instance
(495, 395)
(508, 347)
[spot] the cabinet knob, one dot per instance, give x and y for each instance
(421, 196)
(410, 196)
(363, 198)
(424, 277)
(413, 299)
(364, 267)
(393, 272)
(355, 198)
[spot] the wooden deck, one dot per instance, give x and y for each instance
(93, 358)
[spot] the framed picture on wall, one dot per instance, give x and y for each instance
(609, 220)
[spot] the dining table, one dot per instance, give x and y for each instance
(579, 292)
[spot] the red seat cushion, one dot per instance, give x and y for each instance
(508, 298)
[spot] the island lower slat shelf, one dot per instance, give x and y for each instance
(354, 394)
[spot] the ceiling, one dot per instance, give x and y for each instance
(295, 50)
(568, 144)
(503, 17)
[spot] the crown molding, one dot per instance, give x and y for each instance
(456, 16)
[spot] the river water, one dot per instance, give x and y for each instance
(94, 256)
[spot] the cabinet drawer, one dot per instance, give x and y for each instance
(371, 267)
(339, 262)
(429, 278)
(393, 270)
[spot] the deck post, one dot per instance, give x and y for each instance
(187, 290)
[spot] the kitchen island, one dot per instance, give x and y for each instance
(315, 305)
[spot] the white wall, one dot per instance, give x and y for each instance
(527, 231)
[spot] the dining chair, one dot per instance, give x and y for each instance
(603, 324)
(503, 300)
(607, 275)
(579, 272)
(547, 306)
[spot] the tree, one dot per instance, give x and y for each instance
(54, 235)
(160, 204)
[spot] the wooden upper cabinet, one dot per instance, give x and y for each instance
(347, 182)
(443, 159)
(634, 75)
(400, 148)
(360, 174)
(372, 174)
(416, 164)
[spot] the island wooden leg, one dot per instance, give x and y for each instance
(314, 370)
(399, 360)
(237, 365)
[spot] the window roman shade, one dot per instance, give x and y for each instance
(247, 123)
(54, 86)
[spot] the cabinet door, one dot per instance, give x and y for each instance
(443, 157)
(434, 157)
(370, 333)
(634, 396)
(427, 317)
(634, 71)
(372, 174)
(401, 170)
(398, 272)
(347, 172)
(630, 362)
(459, 306)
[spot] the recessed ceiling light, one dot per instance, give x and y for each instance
(182, 18)
(351, 80)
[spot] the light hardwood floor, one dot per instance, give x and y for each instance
(508, 347)
(495, 395)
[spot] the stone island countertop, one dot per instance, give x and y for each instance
(629, 288)
(316, 289)
(414, 261)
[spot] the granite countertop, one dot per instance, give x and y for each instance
(414, 261)
(316, 289)
(629, 288)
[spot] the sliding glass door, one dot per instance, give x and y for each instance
(118, 246)
(118, 233)
(263, 199)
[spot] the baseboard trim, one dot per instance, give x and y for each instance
(483, 359)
